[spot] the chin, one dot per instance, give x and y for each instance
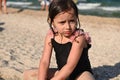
(67, 35)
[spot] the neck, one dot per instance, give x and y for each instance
(63, 39)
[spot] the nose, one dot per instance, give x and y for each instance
(67, 25)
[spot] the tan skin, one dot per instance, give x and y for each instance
(65, 23)
(4, 9)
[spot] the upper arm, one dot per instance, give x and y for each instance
(76, 51)
(47, 50)
(45, 59)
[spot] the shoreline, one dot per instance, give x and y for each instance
(100, 8)
(91, 12)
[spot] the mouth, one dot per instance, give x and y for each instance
(67, 32)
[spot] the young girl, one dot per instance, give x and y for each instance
(69, 42)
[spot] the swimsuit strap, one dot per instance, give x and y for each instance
(75, 34)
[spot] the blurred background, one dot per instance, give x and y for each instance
(106, 8)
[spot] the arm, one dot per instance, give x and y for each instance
(45, 59)
(72, 60)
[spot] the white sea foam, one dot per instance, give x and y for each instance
(84, 6)
(110, 8)
(9, 3)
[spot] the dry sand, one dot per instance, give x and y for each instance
(22, 35)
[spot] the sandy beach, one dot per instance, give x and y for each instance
(22, 35)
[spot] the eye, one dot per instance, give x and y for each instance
(72, 21)
(62, 22)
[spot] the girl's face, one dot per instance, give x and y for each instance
(65, 23)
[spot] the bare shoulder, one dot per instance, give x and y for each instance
(49, 36)
(79, 41)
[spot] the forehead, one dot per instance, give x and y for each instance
(68, 13)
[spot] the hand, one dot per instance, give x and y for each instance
(55, 78)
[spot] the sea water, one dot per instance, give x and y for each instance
(108, 8)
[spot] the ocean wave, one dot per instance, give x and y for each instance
(88, 6)
(9, 3)
(84, 6)
(110, 8)
(81, 6)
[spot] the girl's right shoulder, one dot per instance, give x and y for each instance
(50, 34)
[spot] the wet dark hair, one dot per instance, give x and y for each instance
(58, 6)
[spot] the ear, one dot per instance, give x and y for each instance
(53, 25)
(49, 20)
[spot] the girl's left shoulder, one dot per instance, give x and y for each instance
(78, 34)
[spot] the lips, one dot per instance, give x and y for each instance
(67, 32)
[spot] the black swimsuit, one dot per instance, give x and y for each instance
(62, 52)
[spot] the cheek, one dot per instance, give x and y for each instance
(57, 28)
(74, 26)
